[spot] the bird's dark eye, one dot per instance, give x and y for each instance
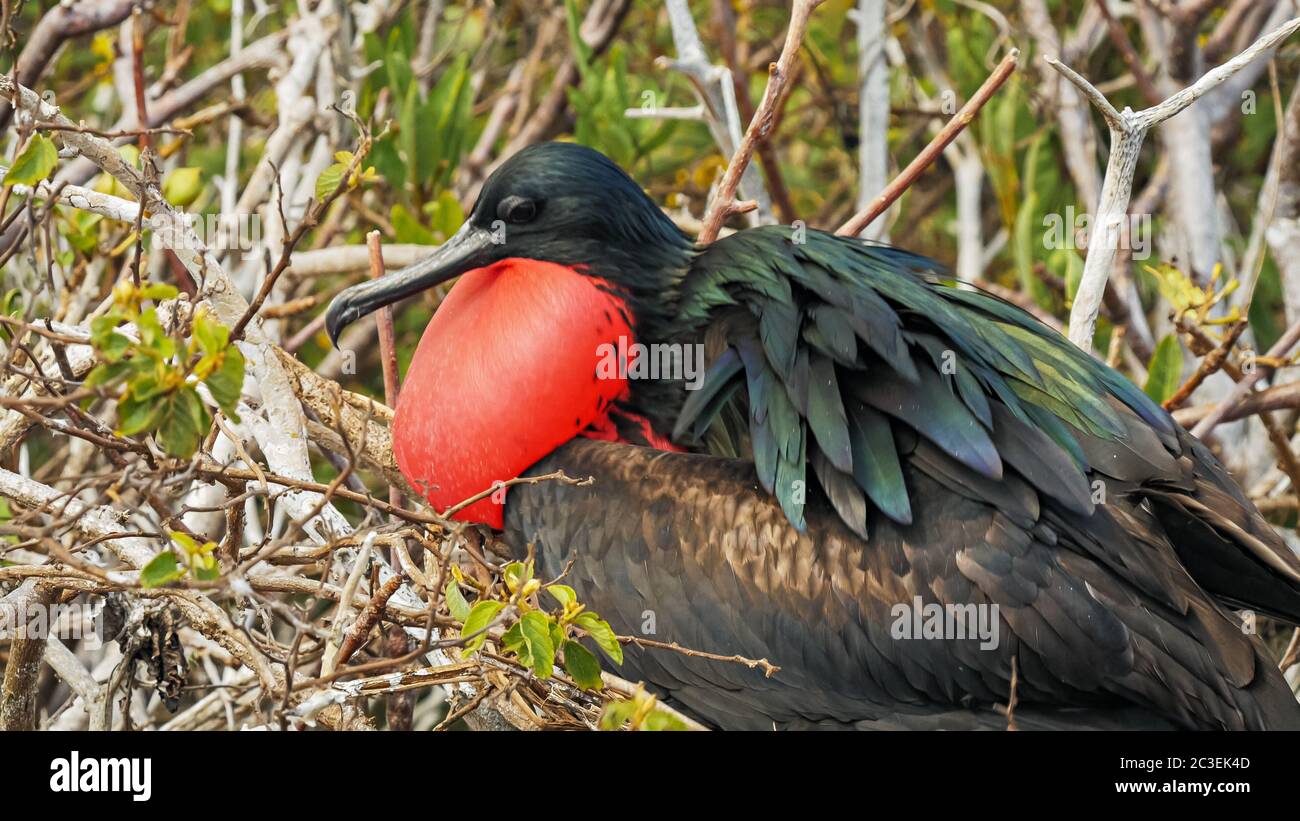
(517, 210)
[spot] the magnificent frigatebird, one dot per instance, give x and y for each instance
(869, 435)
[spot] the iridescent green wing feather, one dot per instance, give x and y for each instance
(853, 349)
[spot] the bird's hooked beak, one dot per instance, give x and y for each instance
(469, 248)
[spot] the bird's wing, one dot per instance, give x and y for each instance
(833, 358)
(688, 549)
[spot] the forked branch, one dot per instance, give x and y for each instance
(1127, 131)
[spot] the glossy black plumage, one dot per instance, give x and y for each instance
(945, 445)
(870, 432)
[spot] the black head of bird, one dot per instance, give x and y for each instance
(561, 203)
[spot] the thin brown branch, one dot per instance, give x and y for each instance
(1246, 386)
(769, 669)
(359, 632)
(384, 317)
(137, 77)
(859, 221)
(1279, 397)
(387, 342)
(1211, 361)
(217, 473)
(723, 202)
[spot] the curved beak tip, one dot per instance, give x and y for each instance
(337, 317)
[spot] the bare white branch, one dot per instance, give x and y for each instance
(1128, 130)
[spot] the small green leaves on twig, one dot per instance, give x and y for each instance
(161, 374)
(537, 637)
(165, 568)
(345, 165)
(1194, 308)
(1189, 298)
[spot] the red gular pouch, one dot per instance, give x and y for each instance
(507, 371)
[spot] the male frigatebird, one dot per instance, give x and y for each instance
(870, 435)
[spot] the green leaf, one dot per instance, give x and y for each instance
(205, 567)
(108, 372)
(158, 291)
(182, 186)
(102, 326)
(1004, 118)
(211, 335)
(104, 337)
(456, 602)
(130, 154)
(329, 180)
(161, 569)
(579, 46)
(135, 415)
(1266, 306)
(441, 124)
(1165, 372)
(388, 163)
(1073, 271)
(114, 346)
(152, 336)
(108, 184)
(480, 616)
(1177, 287)
(396, 64)
(183, 423)
(581, 666)
(536, 630)
(35, 163)
(80, 229)
(512, 641)
(445, 215)
(146, 384)
(563, 594)
(12, 303)
(602, 634)
(227, 382)
(408, 146)
(1023, 251)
